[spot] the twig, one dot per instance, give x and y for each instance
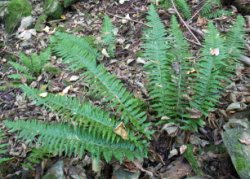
(6, 51)
(120, 17)
(184, 23)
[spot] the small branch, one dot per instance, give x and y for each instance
(120, 17)
(184, 23)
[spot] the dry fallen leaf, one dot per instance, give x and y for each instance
(214, 51)
(43, 95)
(105, 53)
(194, 113)
(183, 148)
(245, 138)
(120, 130)
(65, 90)
(73, 78)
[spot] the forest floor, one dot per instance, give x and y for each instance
(85, 18)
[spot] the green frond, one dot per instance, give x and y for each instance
(62, 41)
(180, 66)
(158, 64)
(184, 8)
(108, 37)
(70, 141)
(3, 148)
(75, 112)
(35, 157)
(235, 38)
(128, 108)
(210, 72)
(208, 8)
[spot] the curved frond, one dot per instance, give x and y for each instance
(70, 141)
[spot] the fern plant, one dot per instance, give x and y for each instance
(84, 126)
(108, 37)
(30, 67)
(119, 129)
(185, 98)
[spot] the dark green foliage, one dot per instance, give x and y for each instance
(53, 8)
(213, 9)
(35, 157)
(3, 148)
(108, 37)
(187, 99)
(30, 67)
(16, 10)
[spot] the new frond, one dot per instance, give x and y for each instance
(70, 141)
(108, 37)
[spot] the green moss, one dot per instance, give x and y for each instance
(53, 8)
(189, 156)
(240, 163)
(40, 22)
(16, 10)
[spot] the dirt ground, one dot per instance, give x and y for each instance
(85, 18)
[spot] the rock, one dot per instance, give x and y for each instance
(238, 151)
(12, 18)
(25, 23)
(121, 173)
(77, 172)
(236, 138)
(56, 171)
(53, 8)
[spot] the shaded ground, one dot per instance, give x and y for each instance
(85, 18)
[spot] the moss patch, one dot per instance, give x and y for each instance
(16, 10)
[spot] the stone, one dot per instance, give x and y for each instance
(56, 171)
(121, 173)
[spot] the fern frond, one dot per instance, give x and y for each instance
(179, 83)
(209, 6)
(108, 37)
(63, 41)
(3, 149)
(184, 8)
(127, 106)
(235, 41)
(159, 63)
(210, 72)
(75, 112)
(69, 141)
(36, 156)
